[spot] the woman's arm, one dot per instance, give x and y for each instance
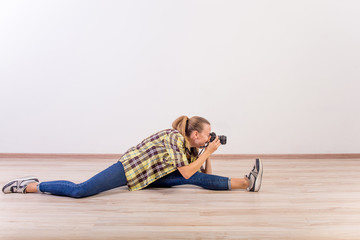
(208, 168)
(192, 168)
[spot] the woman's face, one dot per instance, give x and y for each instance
(199, 139)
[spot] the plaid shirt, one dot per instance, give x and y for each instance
(155, 157)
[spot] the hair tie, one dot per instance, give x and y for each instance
(186, 125)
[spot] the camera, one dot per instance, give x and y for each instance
(222, 138)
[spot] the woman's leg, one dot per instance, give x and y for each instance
(240, 183)
(251, 182)
(207, 181)
(110, 178)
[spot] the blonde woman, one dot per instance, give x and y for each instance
(165, 159)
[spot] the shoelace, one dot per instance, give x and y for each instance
(14, 189)
(17, 189)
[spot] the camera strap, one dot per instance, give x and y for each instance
(203, 148)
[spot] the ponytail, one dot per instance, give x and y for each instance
(180, 124)
(186, 126)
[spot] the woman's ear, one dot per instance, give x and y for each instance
(194, 134)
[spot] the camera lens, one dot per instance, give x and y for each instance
(222, 138)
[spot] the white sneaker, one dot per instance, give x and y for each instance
(255, 176)
(18, 185)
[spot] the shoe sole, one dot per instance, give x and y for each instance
(259, 176)
(18, 180)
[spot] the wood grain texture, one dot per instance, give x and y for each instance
(299, 199)
(97, 156)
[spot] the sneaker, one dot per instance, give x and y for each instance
(255, 176)
(18, 185)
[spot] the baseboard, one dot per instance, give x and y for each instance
(214, 156)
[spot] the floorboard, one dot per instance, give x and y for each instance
(299, 199)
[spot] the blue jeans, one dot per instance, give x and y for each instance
(114, 177)
(207, 181)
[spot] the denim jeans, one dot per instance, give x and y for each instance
(114, 177)
(207, 181)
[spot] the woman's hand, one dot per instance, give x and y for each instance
(189, 170)
(213, 146)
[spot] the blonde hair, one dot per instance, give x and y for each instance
(186, 126)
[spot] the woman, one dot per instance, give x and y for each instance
(167, 158)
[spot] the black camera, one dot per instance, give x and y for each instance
(222, 138)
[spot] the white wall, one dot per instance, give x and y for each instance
(99, 76)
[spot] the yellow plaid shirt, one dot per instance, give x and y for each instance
(156, 156)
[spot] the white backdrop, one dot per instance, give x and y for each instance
(99, 76)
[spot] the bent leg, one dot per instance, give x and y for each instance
(110, 178)
(207, 181)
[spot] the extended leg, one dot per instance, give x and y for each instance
(110, 178)
(208, 181)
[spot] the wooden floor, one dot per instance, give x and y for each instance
(299, 199)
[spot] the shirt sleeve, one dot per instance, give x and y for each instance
(174, 145)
